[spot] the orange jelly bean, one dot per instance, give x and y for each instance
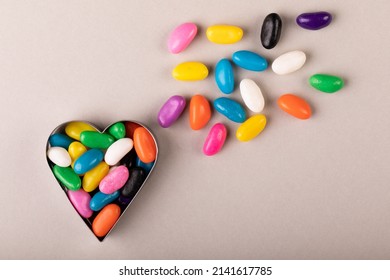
(295, 106)
(106, 219)
(144, 145)
(200, 112)
(130, 127)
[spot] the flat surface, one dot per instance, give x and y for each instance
(316, 189)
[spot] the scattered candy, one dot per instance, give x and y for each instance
(215, 140)
(224, 76)
(106, 219)
(289, 62)
(80, 200)
(251, 128)
(252, 95)
(190, 71)
(200, 112)
(181, 37)
(271, 31)
(59, 156)
(295, 106)
(250, 60)
(230, 109)
(171, 110)
(314, 21)
(224, 34)
(326, 83)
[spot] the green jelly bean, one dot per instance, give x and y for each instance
(326, 83)
(96, 140)
(67, 177)
(117, 130)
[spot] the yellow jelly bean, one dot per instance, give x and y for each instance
(93, 177)
(74, 129)
(75, 150)
(251, 128)
(224, 34)
(190, 71)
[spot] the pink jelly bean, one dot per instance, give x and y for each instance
(215, 140)
(80, 200)
(181, 37)
(114, 180)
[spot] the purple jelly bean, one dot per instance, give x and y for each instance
(171, 110)
(123, 200)
(314, 21)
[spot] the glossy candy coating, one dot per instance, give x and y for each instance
(251, 128)
(271, 31)
(117, 130)
(136, 179)
(230, 109)
(74, 129)
(181, 37)
(190, 71)
(200, 112)
(224, 34)
(224, 76)
(87, 161)
(215, 139)
(67, 177)
(114, 180)
(92, 178)
(99, 200)
(130, 127)
(118, 150)
(145, 166)
(144, 145)
(59, 156)
(171, 110)
(76, 149)
(95, 139)
(80, 200)
(60, 140)
(252, 95)
(106, 219)
(250, 61)
(295, 106)
(289, 62)
(314, 21)
(326, 83)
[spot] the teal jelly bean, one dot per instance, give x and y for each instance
(99, 200)
(230, 109)
(224, 76)
(145, 166)
(88, 160)
(60, 140)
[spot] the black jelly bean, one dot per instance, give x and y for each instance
(136, 178)
(271, 30)
(129, 159)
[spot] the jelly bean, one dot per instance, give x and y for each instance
(190, 71)
(289, 62)
(144, 145)
(181, 37)
(97, 140)
(251, 128)
(200, 112)
(224, 34)
(224, 76)
(171, 110)
(88, 160)
(129, 159)
(106, 219)
(326, 83)
(250, 61)
(136, 179)
(230, 109)
(74, 129)
(145, 166)
(80, 200)
(314, 21)
(130, 127)
(271, 30)
(117, 130)
(118, 150)
(114, 180)
(76, 149)
(99, 200)
(60, 140)
(124, 200)
(67, 177)
(92, 178)
(215, 140)
(252, 96)
(295, 106)
(59, 156)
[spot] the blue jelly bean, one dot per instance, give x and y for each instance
(250, 61)
(145, 166)
(224, 76)
(60, 140)
(99, 200)
(88, 160)
(230, 109)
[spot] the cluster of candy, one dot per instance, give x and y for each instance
(101, 172)
(252, 96)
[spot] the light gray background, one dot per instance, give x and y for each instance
(315, 189)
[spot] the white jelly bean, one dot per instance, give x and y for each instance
(252, 95)
(289, 62)
(59, 156)
(118, 150)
